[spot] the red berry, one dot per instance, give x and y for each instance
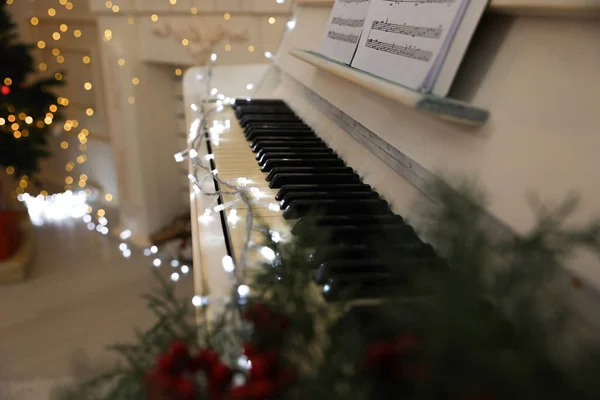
(253, 390)
(161, 380)
(185, 388)
(165, 363)
(178, 349)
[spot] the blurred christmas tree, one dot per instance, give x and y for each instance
(27, 106)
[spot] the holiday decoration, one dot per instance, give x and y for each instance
(10, 234)
(26, 104)
(486, 326)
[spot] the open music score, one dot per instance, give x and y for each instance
(403, 29)
(346, 24)
(405, 51)
(406, 41)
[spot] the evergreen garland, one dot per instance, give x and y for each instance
(487, 325)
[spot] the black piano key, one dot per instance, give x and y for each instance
(252, 134)
(356, 268)
(262, 110)
(367, 286)
(242, 102)
(336, 207)
(352, 187)
(309, 223)
(301, 162)
(291, 197)
(299, 179)
(357, 234)
(282, 125)
(284, 139)
(331, 252)
(253, 119)
(307, 141)
(319, 155)
(307, 170)
(297, 150)
(399, 267)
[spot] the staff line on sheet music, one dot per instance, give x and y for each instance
(417, 2)
(403, 29)
(404, 51)
(350, 38)
(353, 23)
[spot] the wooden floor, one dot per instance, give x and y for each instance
(81, 295)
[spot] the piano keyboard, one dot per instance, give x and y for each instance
(321, 201)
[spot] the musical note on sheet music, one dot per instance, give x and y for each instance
(405, 51)
(349, 38)
(354, 23)
(346, 24)
(403, 29)
(406, 40)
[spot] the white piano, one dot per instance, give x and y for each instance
(522, 116)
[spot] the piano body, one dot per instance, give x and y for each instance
(531, 64)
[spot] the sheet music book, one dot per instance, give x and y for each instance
(416, 43)
(344, 29)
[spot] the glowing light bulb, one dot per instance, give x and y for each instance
(228, 265)
(205, 218)
(156, 262)
(122, 246)
(199, 301)
(185, 269)
(174, 276)
(154, 249)
(243, 291)
(126, 234)
(174, 263)
(127, 253)
(267, 253)
(271, 20)
(275, 236)
(233, 217)
(213, 57)
(147, 252)
(268, 54)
